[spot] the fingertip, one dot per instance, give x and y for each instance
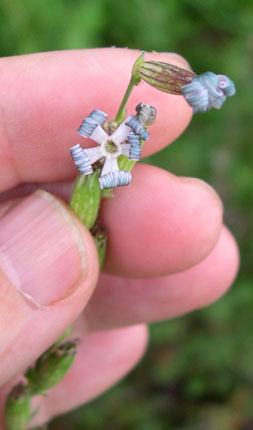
(206, 215)
(163, 224)
(224, 264)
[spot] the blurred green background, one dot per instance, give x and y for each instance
(198, 371)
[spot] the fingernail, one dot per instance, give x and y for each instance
(41, 251)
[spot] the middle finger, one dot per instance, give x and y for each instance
(159, 224)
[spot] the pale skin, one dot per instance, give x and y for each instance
(168, 251)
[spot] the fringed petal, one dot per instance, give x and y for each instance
(94, 154)
(110, 165)
(121, 133)
(115, 179)
(99, 135)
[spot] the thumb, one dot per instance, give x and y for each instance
(48, 270)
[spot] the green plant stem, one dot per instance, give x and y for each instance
(120, 115)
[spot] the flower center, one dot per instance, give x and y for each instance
(111, 146)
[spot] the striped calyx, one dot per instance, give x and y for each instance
(162, 76)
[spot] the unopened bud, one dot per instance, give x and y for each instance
(51, 367)
(208, 90)
(17, 409)
(146, 114)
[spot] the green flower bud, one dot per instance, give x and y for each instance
(17, 409)
(164, 77)
(85, 199)
(99, 234)
(51, 367)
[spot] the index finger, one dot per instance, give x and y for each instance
(44, 98)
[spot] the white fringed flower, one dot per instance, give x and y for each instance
(109, 147)
(125, 140)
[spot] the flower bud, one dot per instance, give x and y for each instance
(51, 367)
(17, 409)
(208, 90)
(146, 114)
(162, 76)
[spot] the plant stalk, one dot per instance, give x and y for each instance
(120, 115)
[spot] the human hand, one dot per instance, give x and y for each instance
(168, 252)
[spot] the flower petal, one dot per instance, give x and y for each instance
(121, 133)
(94, 154)
(81, 160)
(125, 149)
(137, 127)
(115, 179)
(99, 135)
(110, 165)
